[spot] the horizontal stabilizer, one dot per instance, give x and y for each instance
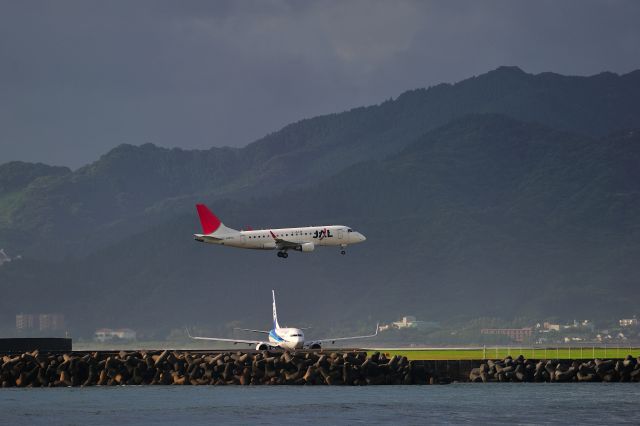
(206, 238)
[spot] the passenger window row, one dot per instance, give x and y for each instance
(286, 235)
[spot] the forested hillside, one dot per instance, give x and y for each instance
(133, 188)
(484, 216)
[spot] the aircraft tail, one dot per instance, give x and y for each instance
(211, 225)
(275, 313)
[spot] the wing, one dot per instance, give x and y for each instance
(347, 338)
(283, 243)
(252, 330)
(219, 339)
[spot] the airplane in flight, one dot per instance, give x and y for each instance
(303, 239)
(284, 338)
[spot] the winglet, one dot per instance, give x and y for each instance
(210, 223)
(188, 334)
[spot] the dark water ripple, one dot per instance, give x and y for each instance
(523, 404)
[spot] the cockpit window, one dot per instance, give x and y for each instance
(349, 230)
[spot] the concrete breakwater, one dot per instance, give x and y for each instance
(525, 370)
(193, 368)
(354, 368)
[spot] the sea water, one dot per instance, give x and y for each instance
(492, 403)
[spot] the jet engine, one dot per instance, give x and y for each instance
(307, 247)
(262, 346)
(315, 346)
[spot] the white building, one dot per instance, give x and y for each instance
(108, 334)
(410, 322)
(4, 257)
(551, 327)
(406, 322)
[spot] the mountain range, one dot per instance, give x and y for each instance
(507, 194)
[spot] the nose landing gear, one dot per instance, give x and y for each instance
(342, 249)
(283, 254)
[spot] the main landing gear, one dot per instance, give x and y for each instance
(283, 254)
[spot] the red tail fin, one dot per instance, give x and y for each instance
(208, 220)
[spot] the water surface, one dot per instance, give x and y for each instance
(492, 403)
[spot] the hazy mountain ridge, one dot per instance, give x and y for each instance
(17, 175)
(133, 188)
(483, 216)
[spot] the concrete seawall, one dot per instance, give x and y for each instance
(290, 368)
(28, 344)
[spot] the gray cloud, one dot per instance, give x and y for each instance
(79, 77)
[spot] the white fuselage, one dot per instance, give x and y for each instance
(287, 338)
(263, 239)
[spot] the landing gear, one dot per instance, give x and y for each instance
(343, 252)
(283, 254)
(343, 247)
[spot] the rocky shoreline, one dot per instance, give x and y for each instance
(525, 370)
(167, 367)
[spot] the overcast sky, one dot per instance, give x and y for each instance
(80, 77)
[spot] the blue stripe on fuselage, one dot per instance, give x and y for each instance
(275, 337)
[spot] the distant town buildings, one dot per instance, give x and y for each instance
(51, 322)
(42, 322)
(584, 324)
(585, 331)
(108, 334)
(25, 322)
(631, 322)
(550, 332)
(605, 336)
(516, 334)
